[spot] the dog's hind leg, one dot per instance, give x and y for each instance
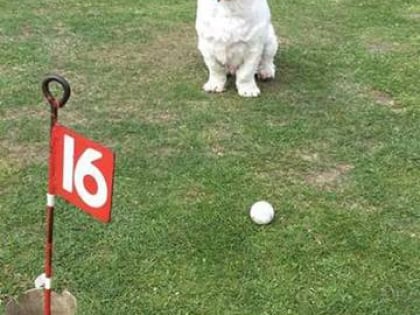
(266, 68)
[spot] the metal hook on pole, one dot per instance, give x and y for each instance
(47, 92)
(54, 102)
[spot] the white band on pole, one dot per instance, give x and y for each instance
(50, 200)
(48, 282)
(40, 281)
(43, 282)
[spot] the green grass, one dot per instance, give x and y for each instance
(333, 143)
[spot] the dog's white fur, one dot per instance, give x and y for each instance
(236, 37)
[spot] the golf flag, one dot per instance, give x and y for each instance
(83, 172)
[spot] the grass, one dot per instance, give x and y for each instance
(332, 143)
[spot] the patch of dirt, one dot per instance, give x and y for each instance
(376, 42)
(63, 44)
(309, 157)
(284, 42)
(385, 99)
(414, 16)
(330, 178)
(167, 51)
(215, 135)
(218, 149)
(19, 155)
(25, 112)
(380, 47)
(360, 206)
(172, 49)
(68, 115)
(194, 193)
(272, 173)
(131, 110)
(277, 122)
(163, 152)
(145, 66)
(382, 98)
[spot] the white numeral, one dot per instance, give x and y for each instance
(75, 172)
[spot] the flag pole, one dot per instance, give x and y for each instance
(55, 104)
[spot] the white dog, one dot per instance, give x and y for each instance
(236, 37)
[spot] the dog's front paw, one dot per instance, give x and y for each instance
(214, 86)
(249, 90)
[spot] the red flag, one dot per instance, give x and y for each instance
(83, 172)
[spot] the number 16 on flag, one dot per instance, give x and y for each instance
(83, 172)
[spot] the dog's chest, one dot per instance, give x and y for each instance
(226, 28)
(228, 37)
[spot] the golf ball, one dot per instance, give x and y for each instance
(262, 212)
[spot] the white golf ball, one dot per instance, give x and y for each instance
(262, 212)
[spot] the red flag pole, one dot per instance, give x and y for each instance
(55, 104)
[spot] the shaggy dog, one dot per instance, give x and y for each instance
(236, 37)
